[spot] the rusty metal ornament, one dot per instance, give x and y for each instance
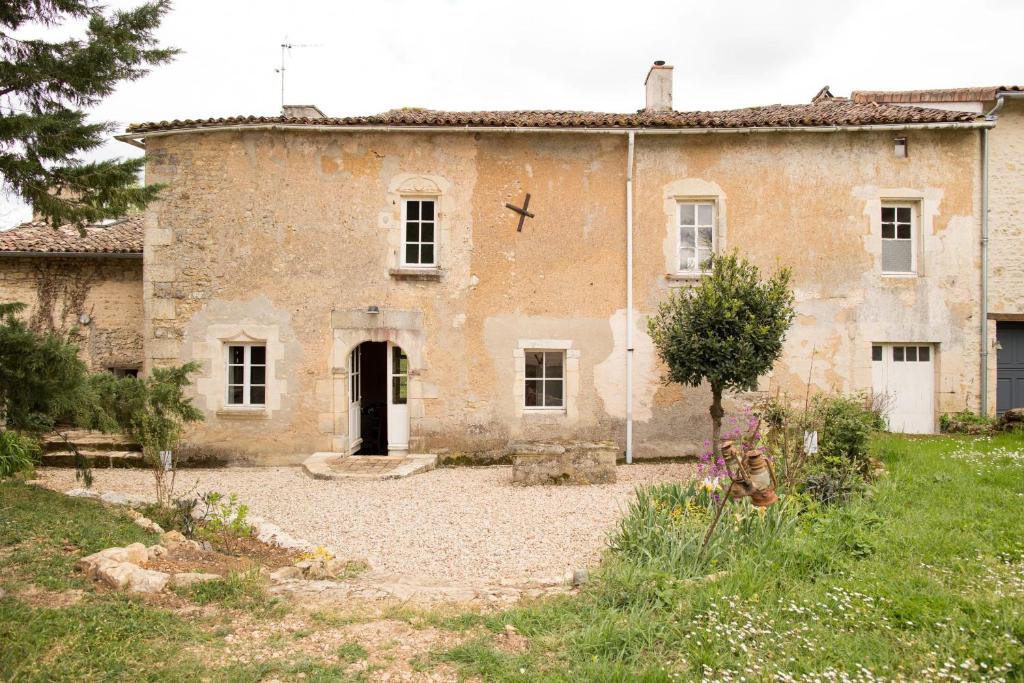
(523, 212)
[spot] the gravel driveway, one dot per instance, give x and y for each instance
(453, 525)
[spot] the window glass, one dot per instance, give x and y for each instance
(897, 353)
(246, 374)
(876, 352)
(534, 391)
(687, 214)
(911, 353)
(897, 239)
(924, 353)
(696, 235)
(534, 363)
(545, 375)
(553, 393)
(420, 248)
(399, 376)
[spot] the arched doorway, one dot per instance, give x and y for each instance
(378, 399)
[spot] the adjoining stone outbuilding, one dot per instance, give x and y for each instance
(89, 285)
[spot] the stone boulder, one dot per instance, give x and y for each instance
(571, 463)
(129, 576)
(135, 553)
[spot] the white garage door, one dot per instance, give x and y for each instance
(906, 373)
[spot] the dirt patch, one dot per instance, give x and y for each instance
(511, 641)
(382, 649)
(34, 596)
(249, 554)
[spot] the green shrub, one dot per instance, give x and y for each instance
(844, 425)
(965, 422)
(223, 519)
(18, 453)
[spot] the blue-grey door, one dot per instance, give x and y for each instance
(1010, 366)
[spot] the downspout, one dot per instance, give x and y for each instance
(629, 299)
(984, 270)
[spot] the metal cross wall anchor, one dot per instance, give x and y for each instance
(523, 213)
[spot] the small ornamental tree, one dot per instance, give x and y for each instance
(727, 330)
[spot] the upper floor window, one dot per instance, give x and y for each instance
(419, 247)
(898, 239)
(247, 374)
(545, 379)
(696, 236)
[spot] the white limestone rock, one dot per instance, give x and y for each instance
(128, 576)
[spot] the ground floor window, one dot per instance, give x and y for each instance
(123, 372)
(545, 379)
(247, 374)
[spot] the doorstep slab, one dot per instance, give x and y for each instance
(338, 466)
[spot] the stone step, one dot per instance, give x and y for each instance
(89, 440)
(95, 458)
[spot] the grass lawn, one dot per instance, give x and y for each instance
(922, 578)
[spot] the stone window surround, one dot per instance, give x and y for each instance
(213, 386)
(571, 386)
(416, 186)
(925, 206)
(690, 190)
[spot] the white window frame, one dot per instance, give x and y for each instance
(696, 202)
(896, 206)
(544, 379)
(404, 227)
(246, 366)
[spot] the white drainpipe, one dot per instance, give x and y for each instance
(629, 300)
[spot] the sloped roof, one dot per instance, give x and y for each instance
(976, 94)
(121, 237)
(826, 111)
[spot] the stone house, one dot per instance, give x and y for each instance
(379, 284)
(88, 285)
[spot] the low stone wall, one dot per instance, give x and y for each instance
(572, 463)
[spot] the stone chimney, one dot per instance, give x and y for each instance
(659, 87)
(301, 111)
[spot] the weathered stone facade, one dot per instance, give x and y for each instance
(290, 236)
(59, 291)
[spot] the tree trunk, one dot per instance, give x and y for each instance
(716, 421)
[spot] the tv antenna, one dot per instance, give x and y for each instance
(286, 47)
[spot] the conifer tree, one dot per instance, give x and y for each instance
(46, 88)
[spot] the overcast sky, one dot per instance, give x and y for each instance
(463, 54)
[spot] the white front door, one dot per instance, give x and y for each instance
(906, 374)
(355, 395)
(398, 401)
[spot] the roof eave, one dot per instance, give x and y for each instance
(137, 138)
(72, 254)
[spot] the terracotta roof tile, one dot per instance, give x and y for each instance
(122, 237)
(826, 111)
(979, 94)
